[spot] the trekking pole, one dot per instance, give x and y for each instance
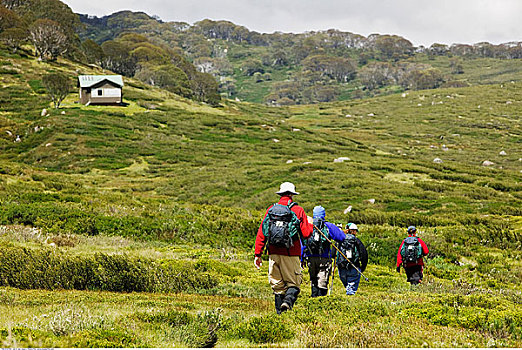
(333, 245)
(333, 276)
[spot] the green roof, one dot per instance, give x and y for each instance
(90, 80)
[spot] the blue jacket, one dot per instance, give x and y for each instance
(334, 233)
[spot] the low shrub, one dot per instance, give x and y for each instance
(194, 331)
(50, 269)
(207, 225)
(476, 312)
(265, 329)
(105, 338)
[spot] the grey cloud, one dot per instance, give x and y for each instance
(421, 21)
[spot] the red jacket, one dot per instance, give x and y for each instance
(306, 230)
(425, 251)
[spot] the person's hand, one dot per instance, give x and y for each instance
(310, 220)
(398, 269)
(258, 262)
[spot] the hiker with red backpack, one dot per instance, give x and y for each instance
(410, 254)
(284, 225)
(317, 251)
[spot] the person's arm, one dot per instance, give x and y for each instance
(306, 226)
(399, 257)
(335, 232)
(363, 254)
(260, 243)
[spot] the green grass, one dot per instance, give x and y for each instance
(168, 182)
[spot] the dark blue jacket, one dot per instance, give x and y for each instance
(334, 233)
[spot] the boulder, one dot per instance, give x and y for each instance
(289, 161)
(44, 113)
(503, 153)
(341, 159)
(347, 210)
(487, 163)
(437, 160)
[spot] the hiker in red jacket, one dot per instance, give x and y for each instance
(284, 225)
(410, 254)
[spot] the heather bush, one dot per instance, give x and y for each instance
(51, 269)
(265, 329)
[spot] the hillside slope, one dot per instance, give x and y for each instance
(238, 152)
(134, 226)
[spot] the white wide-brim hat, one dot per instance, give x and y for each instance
(287, 187)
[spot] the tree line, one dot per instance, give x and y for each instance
(197, 61)
(317, 63)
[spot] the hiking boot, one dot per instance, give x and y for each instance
(278, 302)
(285, 306)
(289, 299)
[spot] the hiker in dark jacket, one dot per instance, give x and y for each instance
(318, 254)
(356, 252)
(411, 259)
(284, 264)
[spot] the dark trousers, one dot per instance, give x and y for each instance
(350, 278)
(319, 269)
(414, 274)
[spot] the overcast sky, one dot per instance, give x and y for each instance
(423, 22)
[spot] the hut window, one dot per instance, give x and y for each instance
(100, 92)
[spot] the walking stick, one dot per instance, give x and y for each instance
(333, 245)
(333, 276)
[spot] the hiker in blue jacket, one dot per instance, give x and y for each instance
(318, 253)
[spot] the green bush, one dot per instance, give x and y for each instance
(476, 312)
(105, 338)
(205, 225)
(194, 331)
(265, 329)
(50, 269)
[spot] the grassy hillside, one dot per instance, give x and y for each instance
(134, 226)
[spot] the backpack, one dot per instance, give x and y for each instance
(411, 250)
(349, 248)
(317, 244)
(281, 225)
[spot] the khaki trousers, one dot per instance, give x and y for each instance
(284, 272)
